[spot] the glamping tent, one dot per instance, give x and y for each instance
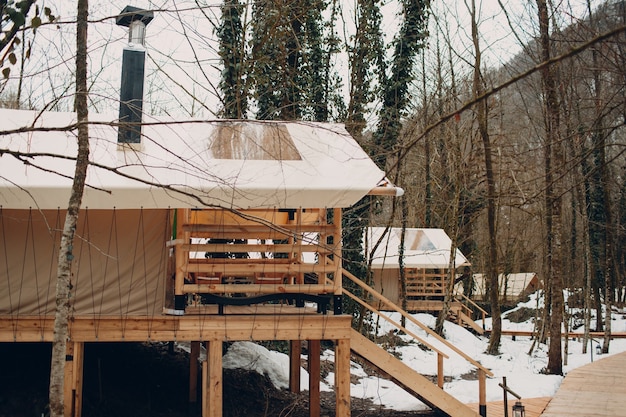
(511, 287)
(426, 262)
(251, 197)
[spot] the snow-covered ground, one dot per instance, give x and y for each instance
(521, 369)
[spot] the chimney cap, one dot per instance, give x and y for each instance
(130, 14)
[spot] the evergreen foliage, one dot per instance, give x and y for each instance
(395, 99)
(232, 54)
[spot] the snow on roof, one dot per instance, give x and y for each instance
(424, 248)
(235, 164)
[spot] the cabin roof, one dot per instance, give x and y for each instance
(424, 248)
(194, 163)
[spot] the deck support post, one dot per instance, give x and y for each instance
(212, 384)
(295, 347)
(342, 378)
(313, 363)
(73, 379)
(193, 372)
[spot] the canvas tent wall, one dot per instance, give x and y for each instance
(426, 261)
(118, 269)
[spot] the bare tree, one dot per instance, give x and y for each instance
(64, 285)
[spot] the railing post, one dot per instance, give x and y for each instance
(482, 392)
(440, 370)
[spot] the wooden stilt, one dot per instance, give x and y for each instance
(193, 372)
(342, 378)
(314, 378)
(212, 386)
(73, 379)
(295, 347)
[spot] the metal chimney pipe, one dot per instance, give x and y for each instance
(133, 63)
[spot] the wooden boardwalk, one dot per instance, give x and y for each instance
(533, 407)
(594, 390)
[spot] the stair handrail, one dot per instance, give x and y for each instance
(473, 303)
(421, 325)
(440, 355)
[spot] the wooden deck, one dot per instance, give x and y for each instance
(533, 407)
(594, 390)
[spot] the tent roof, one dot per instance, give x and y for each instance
(195, 163)
(516, 283)
(424, 248)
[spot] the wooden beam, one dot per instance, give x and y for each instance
(257, 289)
(295, 347)
(314, 366)
(181, 328)
(251, 268)
(342, 378)
(214, 383)
(73, 379)
(193, 372)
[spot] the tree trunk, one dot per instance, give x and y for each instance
(553, 161)
(63, 287)
(492, 255)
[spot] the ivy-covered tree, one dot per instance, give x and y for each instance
(291, 49)
(233, 57)
(409, 41)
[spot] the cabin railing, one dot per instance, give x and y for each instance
(217, 255)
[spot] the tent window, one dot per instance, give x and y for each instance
(262, 141)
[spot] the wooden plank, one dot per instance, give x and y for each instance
(253, 216)
(250, 269)
(342, 378)
(295, 347)
(214, 384)
(269, 231)
(314, 366)
(411, 381)
(193, 372)
(528, 333)
(69, 405)
(533, 407)
(265, 248)
(257, 288)
(182, 328)
(257, 309)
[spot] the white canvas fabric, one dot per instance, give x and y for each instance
(251, 164)
(424, 248)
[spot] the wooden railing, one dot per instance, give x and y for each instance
(476, 306)
(481, 370)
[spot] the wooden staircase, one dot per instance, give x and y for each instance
(411, 381)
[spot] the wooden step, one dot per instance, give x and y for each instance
(411, 381)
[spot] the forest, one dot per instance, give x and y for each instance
(503, 122)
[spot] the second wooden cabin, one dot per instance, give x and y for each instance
(426, 260)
